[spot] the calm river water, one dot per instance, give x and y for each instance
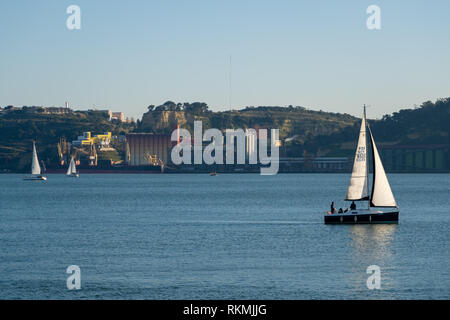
(233, 236)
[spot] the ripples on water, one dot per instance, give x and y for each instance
(227, 237)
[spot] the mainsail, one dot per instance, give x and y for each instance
(358, 188)
(72, 168)
(35, 167)
(382, 195)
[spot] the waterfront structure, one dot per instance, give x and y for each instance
(317, 164)
(147, 148)
(410, 158)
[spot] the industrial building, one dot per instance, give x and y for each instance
(410, 158)
(143, 147)
(318, 164)
(87, 139)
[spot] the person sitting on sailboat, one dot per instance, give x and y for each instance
(340, 210)
(353, 206)
(333, 210)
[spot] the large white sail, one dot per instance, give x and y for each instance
(358, 188)
(35, 167)
(382, 195)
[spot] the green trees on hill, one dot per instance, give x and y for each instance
(196, 108)
(425, 125)
(290, 120)
(18, 128)
(430, 123)
(316, 133)
(304, 132)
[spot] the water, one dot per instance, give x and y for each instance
(227, 237)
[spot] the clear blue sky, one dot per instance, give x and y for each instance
(317, 54)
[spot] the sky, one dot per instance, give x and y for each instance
(317, 54)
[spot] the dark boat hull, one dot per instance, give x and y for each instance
(362, 218)
(112, 169)
(38, 178)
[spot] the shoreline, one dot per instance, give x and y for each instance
(54, 172)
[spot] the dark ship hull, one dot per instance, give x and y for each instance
(110, 169)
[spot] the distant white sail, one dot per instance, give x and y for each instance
(382, 195)
(35, 167)
(69, 169)
(358, 188)
(72, 168)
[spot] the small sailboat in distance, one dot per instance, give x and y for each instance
(35, 168)
(72, 170)
(382, 207)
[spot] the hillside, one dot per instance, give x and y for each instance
(424, 126)
(18, 128)
(292, 121)
(303, 132)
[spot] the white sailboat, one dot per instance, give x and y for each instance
(35, 168)
(382, 207)
(72, 170)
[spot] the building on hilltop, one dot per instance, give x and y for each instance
(120, 116)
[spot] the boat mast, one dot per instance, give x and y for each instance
(367, 158)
